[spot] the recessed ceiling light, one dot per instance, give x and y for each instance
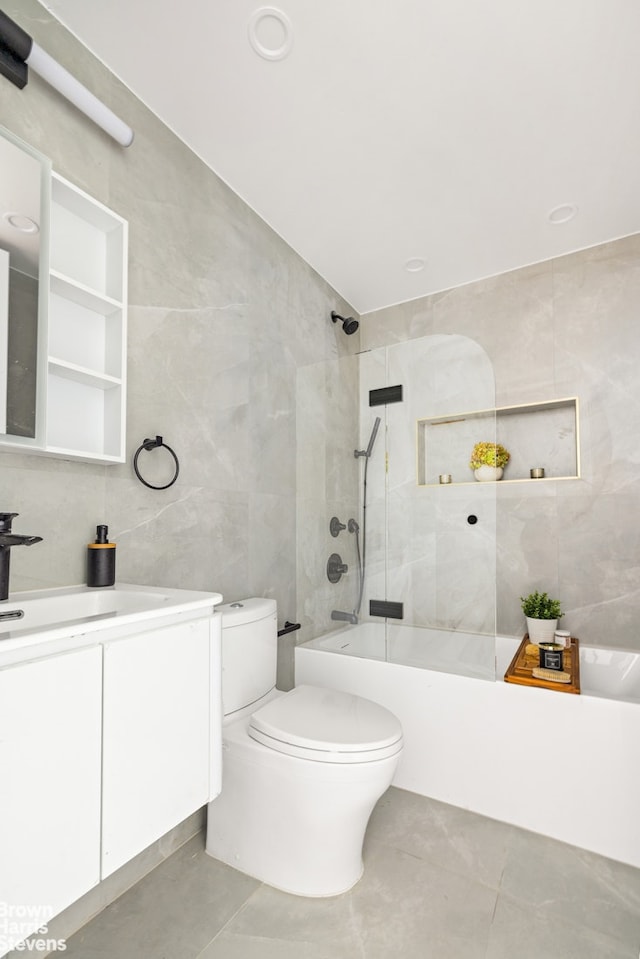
(562, 213)
(22, 223)
(270, 33)
(415, 264)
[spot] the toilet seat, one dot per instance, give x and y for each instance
(325, 725)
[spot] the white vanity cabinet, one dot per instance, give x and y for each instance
(110, 736)
(157, 735)
(87, 328)
(50, 734)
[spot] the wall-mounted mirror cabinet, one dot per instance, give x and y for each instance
(63, 313)
(25, 177)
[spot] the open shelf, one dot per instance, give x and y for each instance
(535, 434)
(87, 240)
(80, 374)
(86, 382)
(83, 295)
(83, 418)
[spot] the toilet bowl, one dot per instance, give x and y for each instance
(302, 770)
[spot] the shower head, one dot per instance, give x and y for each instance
(349, 325)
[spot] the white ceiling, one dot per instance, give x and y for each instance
(440, 129)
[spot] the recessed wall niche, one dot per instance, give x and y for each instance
(537, 436)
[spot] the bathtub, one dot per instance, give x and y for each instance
(562, 765)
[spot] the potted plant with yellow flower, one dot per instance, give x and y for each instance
(488, 461)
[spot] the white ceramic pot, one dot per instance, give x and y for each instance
(488, 474)
(541, 630)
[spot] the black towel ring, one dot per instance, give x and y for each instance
(152, 445)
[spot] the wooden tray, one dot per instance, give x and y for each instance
(521, 668)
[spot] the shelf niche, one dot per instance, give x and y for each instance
(535, 434)
(87, 329)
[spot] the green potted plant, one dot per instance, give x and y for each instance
(488, 461)
(542, 614)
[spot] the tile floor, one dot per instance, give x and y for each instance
(439, 883)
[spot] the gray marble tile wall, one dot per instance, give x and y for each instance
(567, 327)
(224, 320)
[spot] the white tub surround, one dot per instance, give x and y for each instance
(465, 654)
(556, 764)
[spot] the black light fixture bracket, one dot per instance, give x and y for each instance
(15, 48)
(13, 69)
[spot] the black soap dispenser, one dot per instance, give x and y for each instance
(101, 559)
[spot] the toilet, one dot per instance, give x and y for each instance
(301, 771)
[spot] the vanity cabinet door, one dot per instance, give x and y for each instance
(155, 736)
(50, 731)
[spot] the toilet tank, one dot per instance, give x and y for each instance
(249, 651)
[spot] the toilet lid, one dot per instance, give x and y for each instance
(327, 726)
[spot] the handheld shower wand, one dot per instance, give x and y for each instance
(372, 439)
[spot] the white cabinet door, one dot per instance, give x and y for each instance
(50, 721)
(155, 736)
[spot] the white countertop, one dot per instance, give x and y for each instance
(52, 617)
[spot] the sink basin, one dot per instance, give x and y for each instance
(60, 607)
(76, 610)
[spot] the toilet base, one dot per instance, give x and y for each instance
(297, 825)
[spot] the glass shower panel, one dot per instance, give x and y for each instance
(432, 546)
(328, 485)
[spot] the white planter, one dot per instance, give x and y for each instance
(488, 474)
(541, 630)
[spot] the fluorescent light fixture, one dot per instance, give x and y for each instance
(62, 81)
(18, 52)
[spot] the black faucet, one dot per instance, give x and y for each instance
(7, 540)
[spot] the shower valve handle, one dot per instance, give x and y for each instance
(335, 568)
(335, 526)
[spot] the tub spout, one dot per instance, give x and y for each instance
(344, 617)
